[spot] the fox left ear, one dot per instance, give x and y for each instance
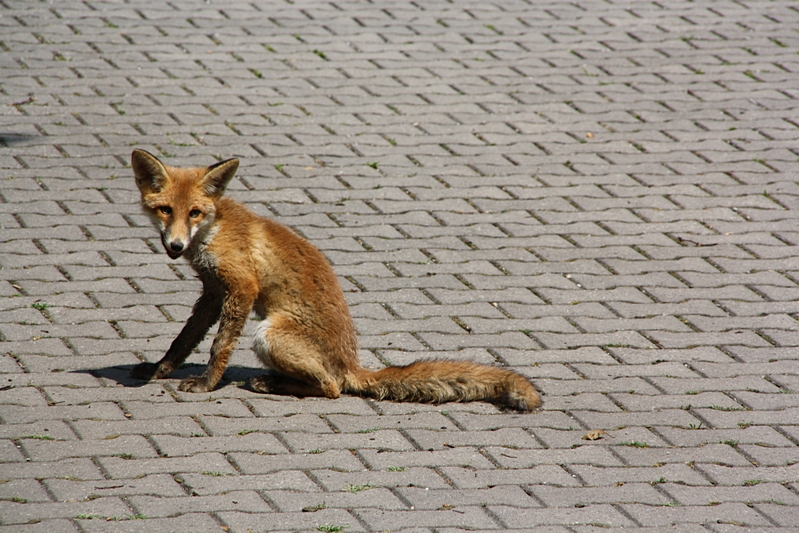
(218, 176)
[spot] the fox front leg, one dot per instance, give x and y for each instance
(206, 312)
(234, 316)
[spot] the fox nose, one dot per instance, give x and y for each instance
(176, 246)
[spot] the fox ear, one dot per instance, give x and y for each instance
(218, 176)
(150, 173)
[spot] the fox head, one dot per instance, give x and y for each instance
(181, 201)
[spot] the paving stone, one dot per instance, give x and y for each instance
(199, 522)
(707, 514)
(239, 521)
(203, 484)
(424, 498)
(336, 480)
(124, 446)
(23, 491)
(121, 468)
(511, 438)
(421, 420)
(305, 423)
(468, 478)
(594, 455)
(21, 513)
(101, 429)
(716, 453)
(241, 500)
(602, 515)
(384, 459)
(382, 440)
(762, 492)
(173, 446)
(463, 517)
(250, 463)
(583, 496)
(727, 475)
(155, 484)
(660, 473)
(79, 468)
(57, 525)
(760, 435)
(783, 515)
(369, 497)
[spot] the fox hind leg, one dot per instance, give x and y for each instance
(300, 372)
(285, 386)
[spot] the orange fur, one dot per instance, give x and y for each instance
(247, 262)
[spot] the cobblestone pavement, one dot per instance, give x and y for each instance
(600, 194)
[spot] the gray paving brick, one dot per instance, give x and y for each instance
(382, 440)
(250, 463)
(79, 468)
(420, 420)
(219, 425)
(729, 476)
(239, 521)
(175, 446)
(23, 491)
(424, 498)
(122, 468)
(463, 517)
(783, 515)
(103, 429)
(241, 500)
(760, 435)
(520, 459)
(72, 490)
(602, 515)
(471, 457)
(124, 445)
(467, 478)
(199, 522)
(21, 513)
(480, 422)
(336, 480)
(762, 492)
(665, 516)
(582, 496)
(512, 438)
(371, 497)
(57, 525)
(293, 480)
(669, 472)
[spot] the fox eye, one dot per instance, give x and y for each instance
(194, 213)
(165, 209)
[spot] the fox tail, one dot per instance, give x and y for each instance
(440, 381)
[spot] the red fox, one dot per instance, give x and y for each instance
(306, 336)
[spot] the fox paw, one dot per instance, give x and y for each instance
(195, 384)
(144, 371)
(262, 383)
(150, 371)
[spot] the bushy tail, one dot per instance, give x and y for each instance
(441, 381)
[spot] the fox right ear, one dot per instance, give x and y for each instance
(150, 173)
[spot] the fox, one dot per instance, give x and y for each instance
(305, 337)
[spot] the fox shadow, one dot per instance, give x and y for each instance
(235, 375)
